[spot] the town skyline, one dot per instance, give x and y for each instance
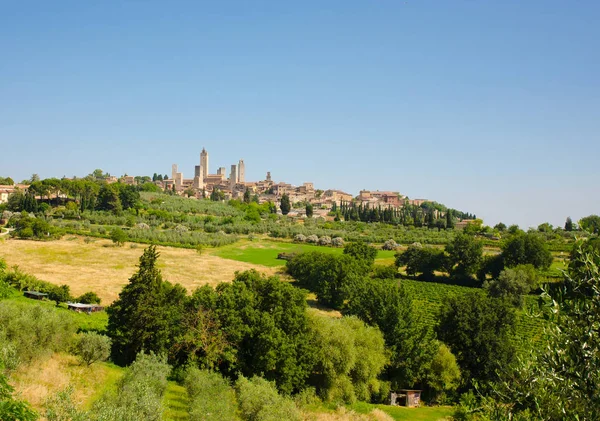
(436, 100)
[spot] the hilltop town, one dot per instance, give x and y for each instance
(234, 185)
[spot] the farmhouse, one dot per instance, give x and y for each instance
(36, 295)
(84, 308)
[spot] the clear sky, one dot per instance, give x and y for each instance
(489, 106)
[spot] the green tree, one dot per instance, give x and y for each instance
(247, 196)
(362, 252)
(92, 347)
(118, 236)
(569, 224)
(513, 284)
(349, 358)
(60, 294)
(385, 304)
(108, 198)
(7, 181)
(329, 276)
(265, 324)
(88, 298)
(309, 210)
(210, 395)
(444, 375)
(500, 227)
(259, 401)
(590, 223)
(217, 195)
(148, 313)
(526, 248)
(449, 219)
(464, 255)
(421, 261)
(284, 204)
(478, 330)
(559, 381)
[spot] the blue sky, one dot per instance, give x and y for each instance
(487, 106)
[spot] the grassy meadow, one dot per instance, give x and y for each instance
(101, 267)
(264, 252)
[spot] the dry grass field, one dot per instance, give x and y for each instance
(103, 268)
(39, 381)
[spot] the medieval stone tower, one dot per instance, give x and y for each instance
(203, 164)
(241, 172)
(233, 177)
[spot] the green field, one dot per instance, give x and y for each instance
(85, 322)
(265, 252)
(424, 413)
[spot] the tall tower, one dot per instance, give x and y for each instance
(233, 177)
(241, 172)
(204, 164)
(173, 172)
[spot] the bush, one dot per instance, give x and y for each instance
(300, 238)
(259, 401)
(139, 393)
(31, 331)
(313, 239)
(513, 284)
(325, 241)
(384, 272)
(92, 347)
(118, 236)
(390, 245)
(210, 396)
(337, 242)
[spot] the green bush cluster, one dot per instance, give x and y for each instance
(28, 332)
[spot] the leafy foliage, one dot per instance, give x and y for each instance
(385, 304)
(478, 329)
(264, 321)
(92, 347)
(259, 401)
(523, 249)
(211, 397)
(147, 316)
(31, 331)
(561, 380)
(419, 260)
(350, 356)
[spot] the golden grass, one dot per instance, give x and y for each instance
(40, 380)
(343, 414)
(105, 269)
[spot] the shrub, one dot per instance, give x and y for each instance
(513, 284)
(337, 242)
(390, 245)
(139, 393)
(325, 241)
(313, 239)
(300, 238)
(30, 331)
(259, 401)
(384, 272)
(210, 395)
(118, 236)
(92, 347)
